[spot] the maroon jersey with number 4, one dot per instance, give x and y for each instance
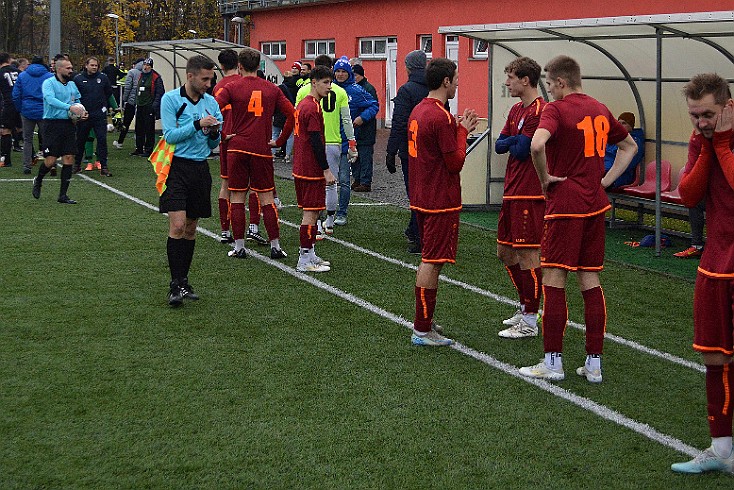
(431, 134)
(309, 119)
(253, 102)
(580, 128)
(521, 180)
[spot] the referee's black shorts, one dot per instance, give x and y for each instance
(59, 137)
(188, 188)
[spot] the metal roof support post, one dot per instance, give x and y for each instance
(490, 106)
(658, 135)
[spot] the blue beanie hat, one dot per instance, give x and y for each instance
(343, 64)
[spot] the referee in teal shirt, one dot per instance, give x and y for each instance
(191, 120)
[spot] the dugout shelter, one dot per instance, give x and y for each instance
(631, 63)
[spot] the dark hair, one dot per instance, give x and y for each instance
(4, 58)
(566, 68)
(308, 65)
(324, 60)
(708, 83)
(198, 63)
(228, 59)
(525, 67)
(320, 72)
(249, 59)
(60, 56)
(437, 70)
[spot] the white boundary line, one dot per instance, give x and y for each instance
(502, 299)
(585, 403)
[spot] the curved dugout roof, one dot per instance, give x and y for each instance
(170, 56)
(626, 62)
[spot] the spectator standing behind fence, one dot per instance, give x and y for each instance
(408, 96)
(28, 100)
(366, 137)
(148, 108)
(96, 97)
(129, 101)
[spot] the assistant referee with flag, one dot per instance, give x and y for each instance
(191, 121)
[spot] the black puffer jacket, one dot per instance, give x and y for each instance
(408, 96)
(289, 89)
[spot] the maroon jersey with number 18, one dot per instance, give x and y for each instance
(580, 128)
(431, 134)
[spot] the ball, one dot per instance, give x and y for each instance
(110, 127)
(75, 117)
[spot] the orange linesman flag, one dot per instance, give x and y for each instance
(161, 159)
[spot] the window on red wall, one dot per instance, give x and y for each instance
(274, 49)
(373, 47)
(426, 45)
(316, 47)
(481, 49)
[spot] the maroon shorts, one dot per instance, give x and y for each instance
(223, 170)
(574, 243)
(248, 171)
(311, 193)
(520, 223)
(713, 300)
(439, 233)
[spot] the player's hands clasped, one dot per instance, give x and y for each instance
(469, 119)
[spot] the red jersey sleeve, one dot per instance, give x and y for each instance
(549, 119)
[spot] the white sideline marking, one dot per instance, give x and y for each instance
(502, 299)
(16, 180)
(585, 403)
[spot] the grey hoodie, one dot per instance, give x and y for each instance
(130, 93)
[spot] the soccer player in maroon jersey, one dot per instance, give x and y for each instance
(311, 172)
(568, 154)
(436, 152)
(520, 225)
(711, 176)
(228, 61)
(249, 156)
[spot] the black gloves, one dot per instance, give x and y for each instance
(390, 163)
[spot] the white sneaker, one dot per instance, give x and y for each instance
(542, 371)
(117, 145)
(431, 339)
(278, 204)
(514, 319)
(340, 220)
(592, 375)
(520, 330)
(310, 266)
(706, 461)
(318, 260)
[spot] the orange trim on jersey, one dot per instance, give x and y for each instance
(509, 244)
(553, 216)
(312, 209)
(440, 106)
(229, 150)
(535, 282)
(304, 177)
(537, 106)
(447, 210)
(716, 275)
(526, 245)
(703, 348)
(590, 269)
(529, 198)
(224, 177)
(238, 190)
(439, 261)
(557, 266)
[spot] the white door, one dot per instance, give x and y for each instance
(391, 83)
(452, 53)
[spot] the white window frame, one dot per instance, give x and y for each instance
(319, 47)
(373, 43)
(266, 48)
(425, 39)
(476, 45)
